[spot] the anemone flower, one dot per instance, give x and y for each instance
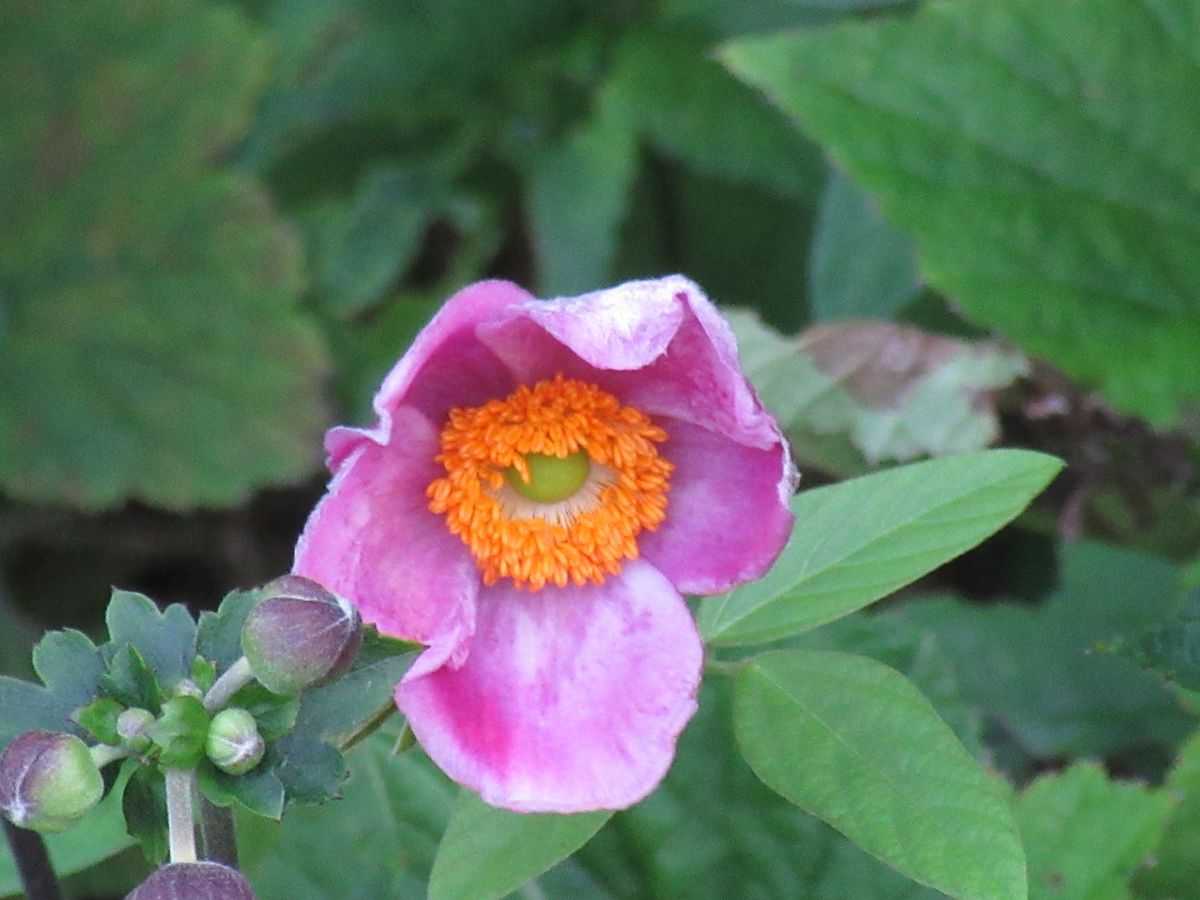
(544, 483)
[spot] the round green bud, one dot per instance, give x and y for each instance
(234, 745)
(551, 478)
(131, 726)
(300, 636)
(194, 881)
(48, 781)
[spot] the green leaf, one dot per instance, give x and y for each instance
(578, 195)
(203, 674)
(219, 635)
(1033, 668)
(311, 771)
(346, 704)
(1172, 648)
(275, 715)
(70, 667)
(361, 246)
(666, 85)
(858, 541)
(153, 348)
(259, 791)
(713, 830)
(166, 640)
(488, 853)
(130, 681)
(180, 732)
(99, 719)
(856, 744)
(1177, 856)
(860, 267)
(1085, 835)
(389, 822)
(144, 805)
(1042, 160)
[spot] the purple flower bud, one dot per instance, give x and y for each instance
(234, 744)
(300, 636)
(194, 881)
(48, 781)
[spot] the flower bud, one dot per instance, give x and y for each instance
(234, 744)
(131, 727)
(194, 881)
(48, 781)
(300, 636)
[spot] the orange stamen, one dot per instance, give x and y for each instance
(584, 539)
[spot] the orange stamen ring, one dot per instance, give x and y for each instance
(581, 539)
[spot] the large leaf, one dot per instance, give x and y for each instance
(853, 742)
(151, 348)
(165, 640)
(1171, 648)
(860, 540)
(1042, 155)
(1085, 835)
(860, 266)
(1032, 669)
(70, 668)
(1177, 856)
(487, 852)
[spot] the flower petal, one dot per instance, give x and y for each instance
(373, 540)
(659, 346)
(446, 366)
(570, 699)
(718, 483)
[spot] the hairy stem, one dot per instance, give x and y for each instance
(231, 681)
(33, 863)
(180, 825)
(217, 833)
(103, 754)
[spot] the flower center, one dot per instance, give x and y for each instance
(552, 484)
(549, 479)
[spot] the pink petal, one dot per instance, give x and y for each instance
(659, 346)
(570, 699)
(727, 516)
(373, 540)
(446, 366)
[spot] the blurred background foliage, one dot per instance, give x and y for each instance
(937, 227)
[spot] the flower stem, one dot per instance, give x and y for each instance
(180, 825)
(217, 833)
(103, 754)
(350, 738)
(33, 863)
(231, 681)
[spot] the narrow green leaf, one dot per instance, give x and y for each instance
(166, 640)
(99, 719)
(858, 541)
(1043, 160)
(860, 267)
(1085, 835)
(488, 852)
(853, 742)
(579, 193)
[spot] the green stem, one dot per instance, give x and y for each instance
(181, 827)
(723, 667)
(350, 738)
(103, 754)
(231, 681)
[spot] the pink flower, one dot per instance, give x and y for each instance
(546, 479)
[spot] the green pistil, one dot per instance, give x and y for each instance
(551, 478)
